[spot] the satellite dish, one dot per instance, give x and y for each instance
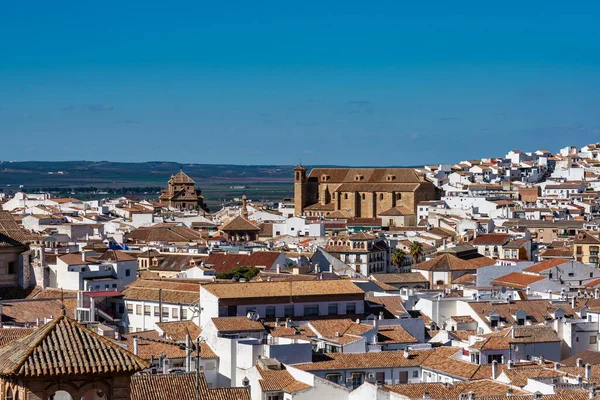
(253, 316)
(503, 289)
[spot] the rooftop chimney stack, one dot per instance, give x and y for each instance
(511, 364)
(557, 366)
(588, 372)
(579, 363)
(426, 395)
(573, 301)
(494, 369)
(135, 346)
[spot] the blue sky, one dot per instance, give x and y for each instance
(350, 83)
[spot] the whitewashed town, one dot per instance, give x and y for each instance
(478, 279)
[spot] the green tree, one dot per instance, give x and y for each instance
(398, 258)
(239, 272)
(416, 251)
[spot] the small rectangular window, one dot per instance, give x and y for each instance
(288, 311)
(270, 312)
(147, 310)
(175, 313)
(156, 311)
(127, 272)
(12, 268)
(184, 313)
(351, 308)
(129, 308)
(165, 312)
(593, 339)
(332, 309)
(138, 309)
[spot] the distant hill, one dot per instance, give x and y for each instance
(115, 174)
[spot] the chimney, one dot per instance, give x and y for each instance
(84, 255)
(278, 268)
(557, 366)
(288, 323)
(541, 360)
(588, 372)
(471, 395)
(165, 365)
(579, 363)
(494, 369)
(537, 396)
(573, 301)
(511, 364)
(406, 354)
(426, 395)
(512, 332)
(597, 293)
(135, 346)
(579, 379)
(593, 393)
(337, 334)
(509, 392)
(380, 315)
(549, 294)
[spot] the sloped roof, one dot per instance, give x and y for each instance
(237, 324)
(239, 223)
(280, 380)
(370, 175)
(223, 262)
(547, 264)
(64, 347)
(439, 390)
(397, 211)
(282, 289)
(449, 262)
(181, 177)
(181, 386)
(517, 280)
(169, 234)
(493, 239)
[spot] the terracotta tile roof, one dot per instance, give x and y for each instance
(115, 255)
(441, 360)
(237, 324)
(391, 304)
(282, 289)
(466, 279)
(150, 344)
(186, 285)
(168, 295)
(280, 380)
(340, 330)
(181, 177)
(591, 357)
(586, 238)
(517, 280)
(407, 277)
(449, 262)
(340, 361)
(462, 335)
(168, 234)
(63, 347)
(28, 311)
(8, 335)
(223, 262)
(10, 232)
(177, 330)
(537, 311)
(370, 175)
(389, 334)
(239, 223)
(547, 264)
(75, 259)
(397, 212)
(562, 252)
(492, 239)
(481, 388)
(180, 386)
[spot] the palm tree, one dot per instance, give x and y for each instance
(416, 251)
(398, 258)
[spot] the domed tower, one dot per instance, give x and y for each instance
(300, 189)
